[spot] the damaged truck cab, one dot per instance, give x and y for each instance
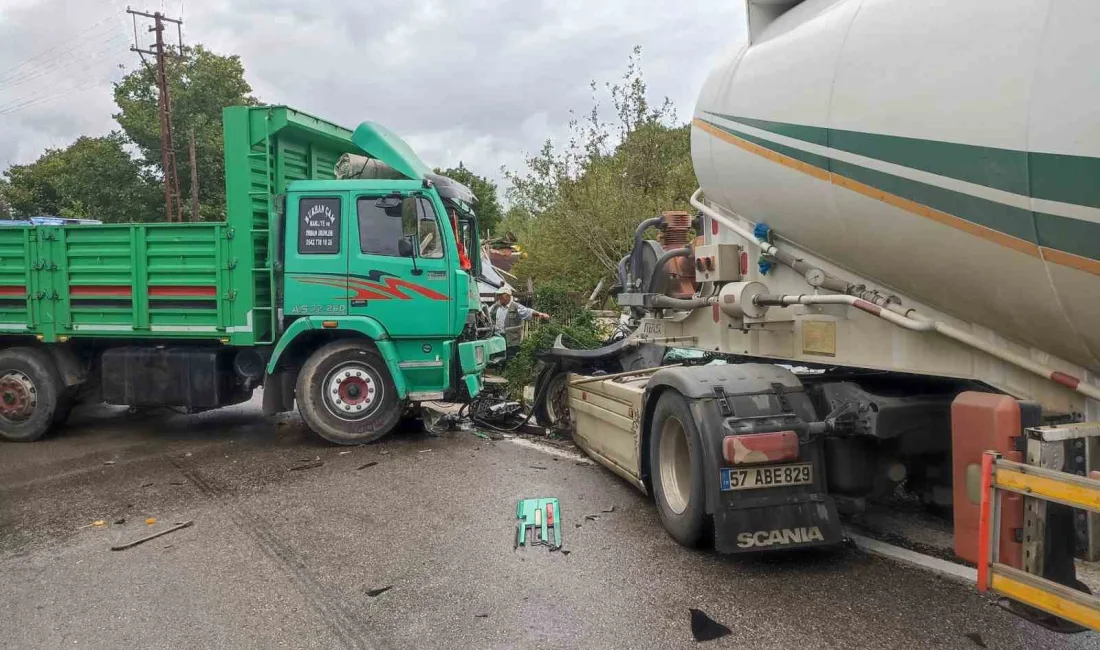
(350, 297)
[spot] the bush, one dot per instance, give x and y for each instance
(568, 317)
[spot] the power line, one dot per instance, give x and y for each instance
(91, 63)
(4, 74)
(62, 64)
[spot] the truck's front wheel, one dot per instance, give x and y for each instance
(30, 394)
(346, 395)
(676, 464)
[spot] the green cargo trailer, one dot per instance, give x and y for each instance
(347, 296)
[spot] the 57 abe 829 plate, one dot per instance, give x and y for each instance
(751, 478)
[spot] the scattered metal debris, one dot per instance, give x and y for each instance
(108, 462)
(142, 540)
(311, 465)
(481, 616)
(424, 451)
(374, 593)
(537, 467)
(609, 509)
(704, 628)
(366, 465)
(539, 523)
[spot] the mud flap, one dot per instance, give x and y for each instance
(773, 524)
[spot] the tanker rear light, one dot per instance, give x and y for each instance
(744, 263)
(753, 448)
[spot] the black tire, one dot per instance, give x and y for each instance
(676, 469)
(549, 382)
(364, 417)
(28, 377)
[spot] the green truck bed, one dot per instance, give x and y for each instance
(186, 280)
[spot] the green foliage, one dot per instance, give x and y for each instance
(201, 83)
(91, 178)
(575, 209)
(488, 210)
(576, 325)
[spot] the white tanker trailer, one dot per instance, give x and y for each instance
(896, 255)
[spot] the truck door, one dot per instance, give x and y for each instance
(398, 267)
(316, 278)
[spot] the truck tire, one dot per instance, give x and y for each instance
(676, 468)
(30, 394)
(551, 405)
(346, 395)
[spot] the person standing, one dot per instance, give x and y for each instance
(507, 316)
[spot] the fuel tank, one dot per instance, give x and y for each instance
(948, 149)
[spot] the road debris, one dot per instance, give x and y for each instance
(120, 521)
(142, 540)
(537, 467)
(591, 517)
(976, 639)
(145, 485)
(366, 465)
(481, 616)
(609, 509)
(310, 465)
(108, 462)
(343, 453)
(539, 523)
(374, 593)
(150, 521)
(704, 628)
(424, 451)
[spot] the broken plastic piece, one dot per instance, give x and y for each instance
(704, 628)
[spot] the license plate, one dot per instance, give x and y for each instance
(750, 478)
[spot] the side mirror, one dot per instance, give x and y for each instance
(405, 246)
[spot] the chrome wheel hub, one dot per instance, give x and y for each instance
(352, 391)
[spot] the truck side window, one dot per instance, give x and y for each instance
(382, 226)
(319, 226)
(431, 246)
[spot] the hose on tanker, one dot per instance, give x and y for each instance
(650, 285)
(639, 232)
(685, 304)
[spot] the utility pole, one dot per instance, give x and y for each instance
(173, 209)
(194, 180)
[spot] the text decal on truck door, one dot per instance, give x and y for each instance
(319, 226)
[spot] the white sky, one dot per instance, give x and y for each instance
(482, 81)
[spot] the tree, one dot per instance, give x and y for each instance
(489, 212)
(91, 178)
(583, 202)
(201, 83)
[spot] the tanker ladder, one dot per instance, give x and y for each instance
(1041, 596)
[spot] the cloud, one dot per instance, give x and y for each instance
(482, 81)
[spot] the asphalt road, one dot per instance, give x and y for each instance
(291, 539)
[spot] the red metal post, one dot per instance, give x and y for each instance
(984, 521)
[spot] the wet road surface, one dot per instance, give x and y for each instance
(291, 538)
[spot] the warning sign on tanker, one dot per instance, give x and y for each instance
(319, 226)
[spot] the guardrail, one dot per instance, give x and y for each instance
(1029, 589)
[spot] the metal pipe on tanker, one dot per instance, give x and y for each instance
(814, 276)
(660, 264)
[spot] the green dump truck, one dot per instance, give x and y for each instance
(353, 297)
